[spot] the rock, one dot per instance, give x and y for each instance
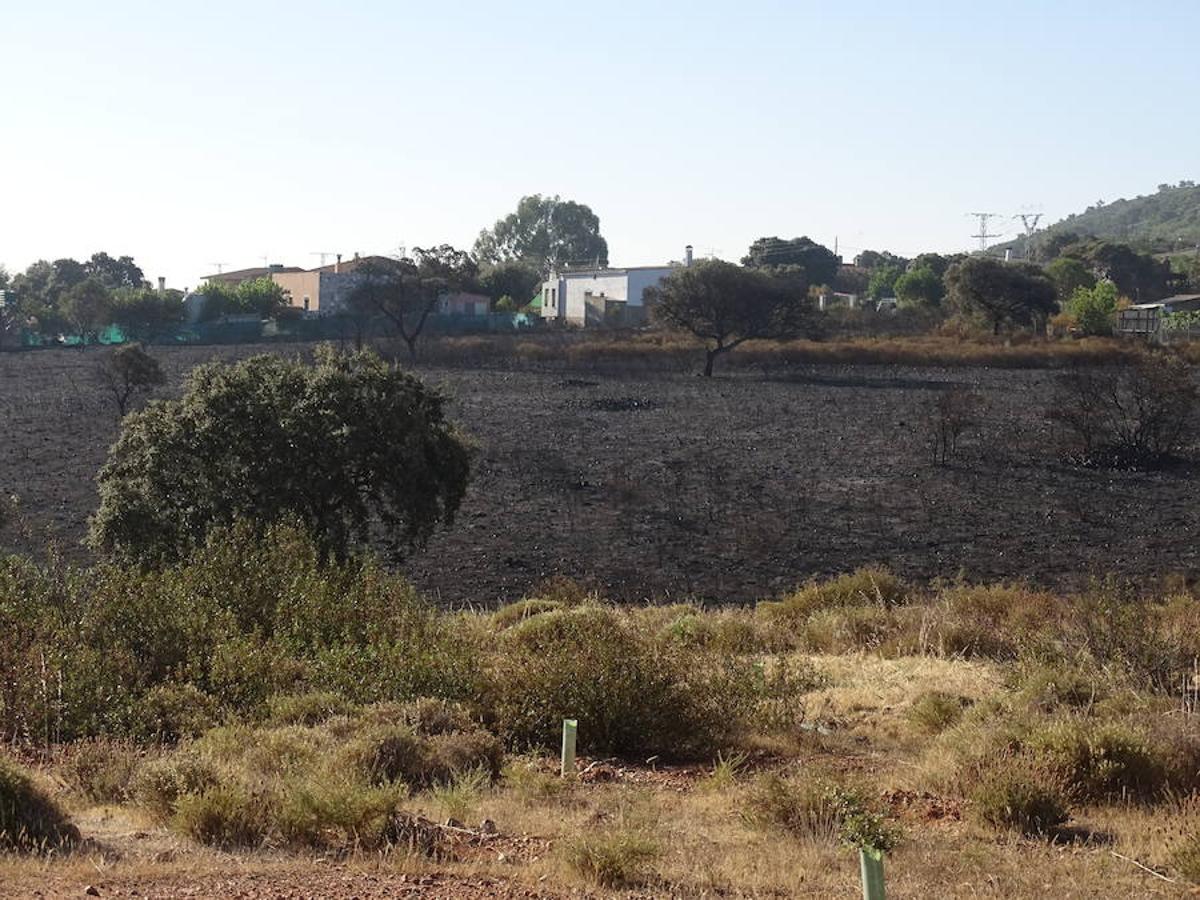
(453, 823)
(91, 890)
(487, 826)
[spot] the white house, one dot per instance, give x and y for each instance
(603, 296)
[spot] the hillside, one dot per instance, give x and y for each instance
(1161, 221)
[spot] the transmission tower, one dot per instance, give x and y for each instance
(220, 267)
(323, 254)
(984, 235)
(1029, 221)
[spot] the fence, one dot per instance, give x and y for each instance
(284, 330)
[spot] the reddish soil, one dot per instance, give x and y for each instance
(668, 485)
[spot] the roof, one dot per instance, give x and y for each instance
(608, 270)
(349, 265)
(1177, 300)
(240, 275)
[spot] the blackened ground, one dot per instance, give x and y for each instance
(669, 485)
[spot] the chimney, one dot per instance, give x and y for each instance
(162, 285)
(337, 263)
(687, 256)
(356, 254)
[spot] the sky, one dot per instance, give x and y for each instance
(188, 135)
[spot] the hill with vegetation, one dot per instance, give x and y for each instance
(1166, 220)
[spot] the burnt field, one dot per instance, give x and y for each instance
(656, 485)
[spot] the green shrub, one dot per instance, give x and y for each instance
(869, 586)
(631, 694)
(101, 769)
(806, 809)
(1018, 796)
(398, 754)
(430, 716)
(1100, 762)
(29, 819)
(459, 796)
(172, 711)
(1185, 858)
(934, 711)
(847, 629)
(310, 708)
(160, 783)
(615, 859)
(518, 612)
(1049, 686)
(226, 816)
(335, 813)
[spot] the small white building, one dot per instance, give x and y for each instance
(603, 296)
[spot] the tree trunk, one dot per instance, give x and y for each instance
(710, 357)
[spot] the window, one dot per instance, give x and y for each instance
(306, 302)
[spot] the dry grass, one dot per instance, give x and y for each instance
(658, 350)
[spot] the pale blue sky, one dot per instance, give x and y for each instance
(186, 134)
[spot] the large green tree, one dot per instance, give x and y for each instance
(920, 287)
(143, 314)
(87, 308)
(1069, 275)
(726, 305)
(819, 263)
(549, 233)
(348, 447)
(1000, 293)
(514, 278)
(883, 281)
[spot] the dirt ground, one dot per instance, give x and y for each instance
(656, 485)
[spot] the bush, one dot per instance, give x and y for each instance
(225, 816)
(805, 809)
(311, 708)
(632, 694)
(935, 711)
(172, 711)
(430, 716)
(101, 769)
(29, 819)
(518, 612)
(1100, 762)
(1185, 858)
(615, 859)
(863, 587)
(1020, 797)
(336, 813)
(336, 446)
(160, 783)
(398, 754)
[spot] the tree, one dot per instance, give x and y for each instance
(725, 305)
(260, 297)
(122, 272)
(515, 279)
(128, 371)
(347, 447)
(920, 287)
(819, 263)
(548, 233)
(87, 308)
(1000, 293)
(883, 282)
(146, 315)
(876, 259)
(1069, 275)
(406, 291)
(1094, 308)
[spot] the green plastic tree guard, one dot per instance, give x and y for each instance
(871, 862)
(570, 730)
